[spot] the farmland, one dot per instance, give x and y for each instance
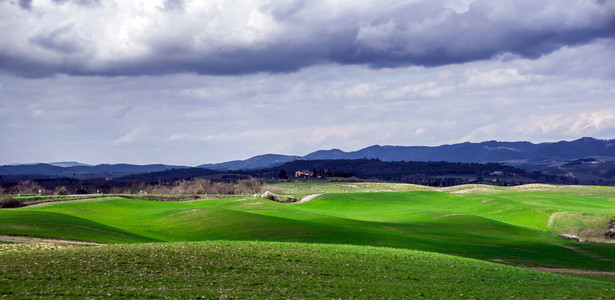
(272, 269)
(405, 239)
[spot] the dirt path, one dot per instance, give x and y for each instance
(34, 240)
(307, 198)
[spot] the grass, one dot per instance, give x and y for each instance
(312, 187)
(514, 226)
(510, 227)
(62, 226)
(221, 269)
(587, 226)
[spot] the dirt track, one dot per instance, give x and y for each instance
(307, 198)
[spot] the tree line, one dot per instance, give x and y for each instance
(194, 186)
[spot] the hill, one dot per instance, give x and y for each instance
(256, 162)
(512, 226)
(595, 171)
(272, 270)
(427, 173)
(167, 175)
(555, 159)
(83, 171)
(358, 240)
(523, 154)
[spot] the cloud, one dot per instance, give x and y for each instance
(497, 77)
(193, 119)
(25, 4)
(57, 40)
(78, 2)
(587, 123)
(173, 5)
(131, 136)
(115, 38)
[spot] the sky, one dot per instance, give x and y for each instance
(190, 82)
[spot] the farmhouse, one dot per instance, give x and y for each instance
(304, 173)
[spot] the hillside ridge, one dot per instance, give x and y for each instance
(522, 154)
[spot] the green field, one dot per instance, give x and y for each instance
(514, 226)
(274, 270)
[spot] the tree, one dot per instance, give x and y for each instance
(61, 191)
(282, 174)
(104, 187)
(28, 187)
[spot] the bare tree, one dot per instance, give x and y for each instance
(247, 186)
(29, 187)
(61, 191)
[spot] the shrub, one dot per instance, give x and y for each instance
(61, 191)
(9, 201)
(287, 199)
(222, 188)
(247, 186)
(271, 188)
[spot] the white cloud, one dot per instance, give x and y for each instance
(190, 138)
(131, 136)
(495, 78)
(593, 122)
(362, 90)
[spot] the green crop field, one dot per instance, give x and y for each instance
(274, 270)
(476, 229)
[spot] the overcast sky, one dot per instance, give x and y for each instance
(191, 82)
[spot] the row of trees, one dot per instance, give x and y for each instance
(27, 187)
(194, 187)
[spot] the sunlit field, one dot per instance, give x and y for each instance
(351, 240)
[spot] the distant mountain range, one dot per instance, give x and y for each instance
(522, 154)
(594, 160)
(256, 162)
(78, 170)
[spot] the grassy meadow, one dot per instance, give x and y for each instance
(405, 239)
(219, 269)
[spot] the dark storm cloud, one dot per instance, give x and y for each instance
(25, 4)
(284, 37)
(55, 41)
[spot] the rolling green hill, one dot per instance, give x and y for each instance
(219, 269)
(504, 225)
(324, 248)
